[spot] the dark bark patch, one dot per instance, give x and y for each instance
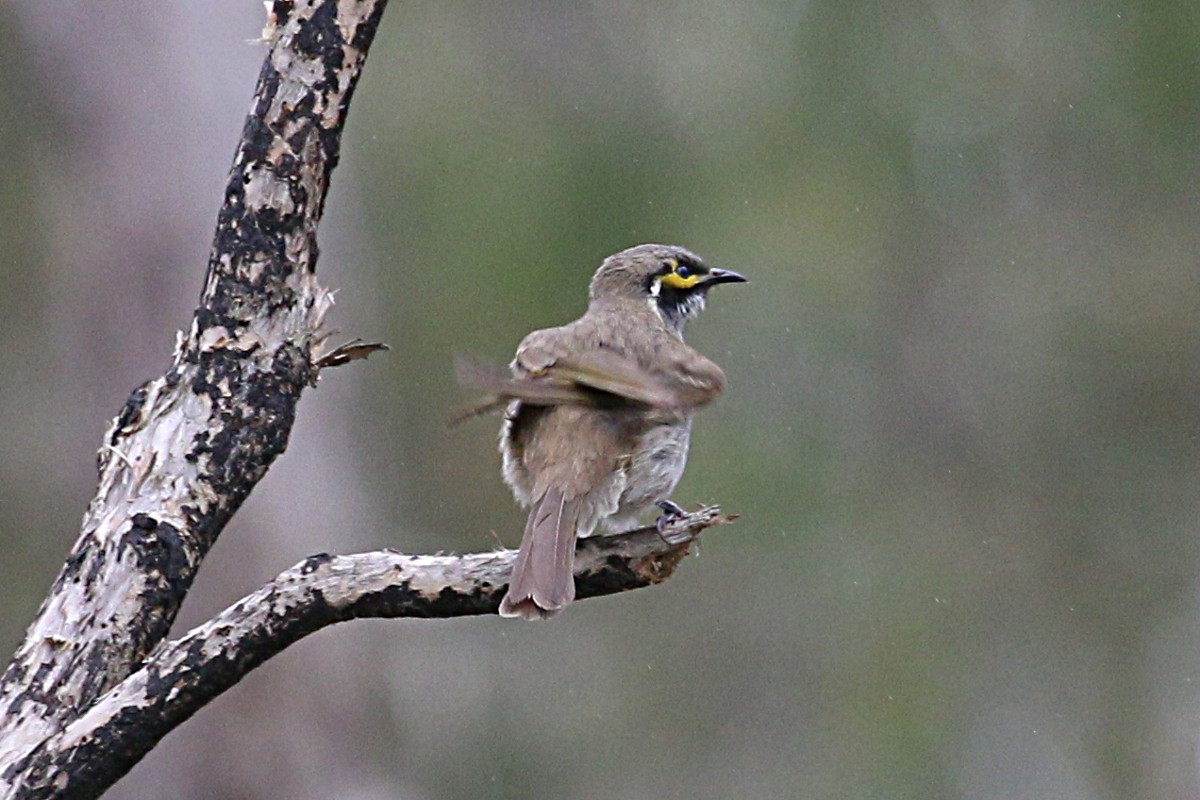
(315, 562)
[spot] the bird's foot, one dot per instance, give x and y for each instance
(671, 512)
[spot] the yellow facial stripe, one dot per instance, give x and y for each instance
(673, 280)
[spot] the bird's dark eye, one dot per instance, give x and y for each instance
(683, 271)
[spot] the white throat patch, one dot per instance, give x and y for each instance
(655, 293)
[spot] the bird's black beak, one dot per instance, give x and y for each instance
(716, 276)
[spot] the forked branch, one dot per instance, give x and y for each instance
(183, 675)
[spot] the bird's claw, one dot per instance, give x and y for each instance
(671, 512)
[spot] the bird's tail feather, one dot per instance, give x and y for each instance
(543, 579)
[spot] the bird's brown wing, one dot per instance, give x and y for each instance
(553, 369)
(502, 385)
(661, 371)
(502, 388)
(692, 379)
(606, 371)
(592, 377)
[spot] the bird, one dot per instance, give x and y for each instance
(598, 413)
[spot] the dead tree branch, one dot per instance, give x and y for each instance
(181, 676)
(188, 447)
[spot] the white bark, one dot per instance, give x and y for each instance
(189, 446)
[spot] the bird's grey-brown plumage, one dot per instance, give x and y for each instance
(599, 413)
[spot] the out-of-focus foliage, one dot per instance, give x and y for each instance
(962, 428)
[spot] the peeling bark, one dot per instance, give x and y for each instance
(188, 447)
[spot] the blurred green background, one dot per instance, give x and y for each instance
(961, 427)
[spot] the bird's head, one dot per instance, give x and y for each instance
(673, 280)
